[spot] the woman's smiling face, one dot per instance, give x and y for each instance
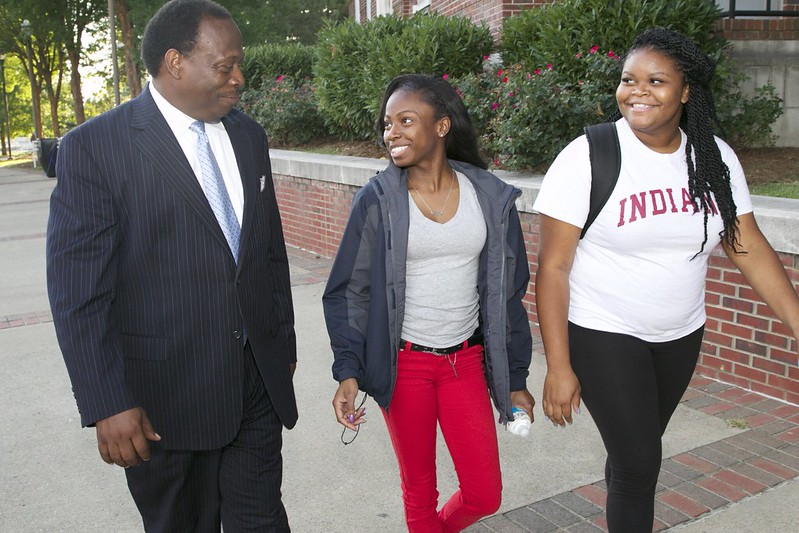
(651, 96)
(412, 134)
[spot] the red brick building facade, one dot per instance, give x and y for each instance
(743, 28)
(490, 12)
(493, 12)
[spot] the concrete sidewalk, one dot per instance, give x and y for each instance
(714, 478)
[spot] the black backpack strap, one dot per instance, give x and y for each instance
(605, 154)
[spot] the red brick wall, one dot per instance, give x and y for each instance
(314, 213)
(744, 342)
(493, 12)
(764, 29)
(490, 12)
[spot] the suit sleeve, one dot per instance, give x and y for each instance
(82, 255)
(278, 258)
(520, 347)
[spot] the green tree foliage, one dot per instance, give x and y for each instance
(265, 21)
(280, 21)
(54, 35)
(19, 97)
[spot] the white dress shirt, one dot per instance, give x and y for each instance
(220, 146)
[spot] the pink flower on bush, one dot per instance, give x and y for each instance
(593, 49)
(549, 66)
(611, 54)
(510, 94)
(279, 78)
(529, 76)
(578, 55)
(494, 106)
(445, 76)
(537, 71)
(485, 58)
(500, 72)
(505, 79)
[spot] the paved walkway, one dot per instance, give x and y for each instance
(731, 456)
(692, 484)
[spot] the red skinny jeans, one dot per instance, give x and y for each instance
(452, 391)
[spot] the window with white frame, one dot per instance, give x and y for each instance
(421, 5)
(383, 7)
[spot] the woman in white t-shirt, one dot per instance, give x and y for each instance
(622, 310)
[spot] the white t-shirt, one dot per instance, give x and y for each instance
(441, 301)
(635, 272)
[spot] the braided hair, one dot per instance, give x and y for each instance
(707, 172)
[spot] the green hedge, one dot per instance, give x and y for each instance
(526, 116)
(559, 73)
(355, 61)
(268, 61)
(554, 33)
(287, 110)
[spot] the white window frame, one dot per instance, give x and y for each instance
(421, 5)
(383, 7)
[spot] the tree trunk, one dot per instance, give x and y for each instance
(75, 85)
(37, 94)
(54, 95)
(132, 72)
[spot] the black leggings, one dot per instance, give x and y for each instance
(632, 387)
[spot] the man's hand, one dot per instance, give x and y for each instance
(122, 438)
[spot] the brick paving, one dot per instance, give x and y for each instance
(690, 485)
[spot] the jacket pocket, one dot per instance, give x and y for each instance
(144, 348)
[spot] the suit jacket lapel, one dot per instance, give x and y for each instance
(246, 164)
(159, 145)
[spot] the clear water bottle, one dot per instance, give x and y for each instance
(520, 425)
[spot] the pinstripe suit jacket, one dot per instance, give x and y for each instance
(148, 303)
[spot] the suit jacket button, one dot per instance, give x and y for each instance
(237, 334)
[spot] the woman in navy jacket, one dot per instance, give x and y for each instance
(424, 305)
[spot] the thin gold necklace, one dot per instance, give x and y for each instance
(433, 212)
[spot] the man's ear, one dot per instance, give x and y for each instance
(172, 60)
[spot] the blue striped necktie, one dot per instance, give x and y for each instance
(215, 190)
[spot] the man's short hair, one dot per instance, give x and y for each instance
(176, 25)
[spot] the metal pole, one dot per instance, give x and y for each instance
(113, 35)
(5, 106)
(26, 30)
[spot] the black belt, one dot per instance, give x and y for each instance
(474, 340)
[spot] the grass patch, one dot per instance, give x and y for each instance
(19, 161)
(736, 423)
(781, 190)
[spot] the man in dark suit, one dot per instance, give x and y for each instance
(169, 285)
